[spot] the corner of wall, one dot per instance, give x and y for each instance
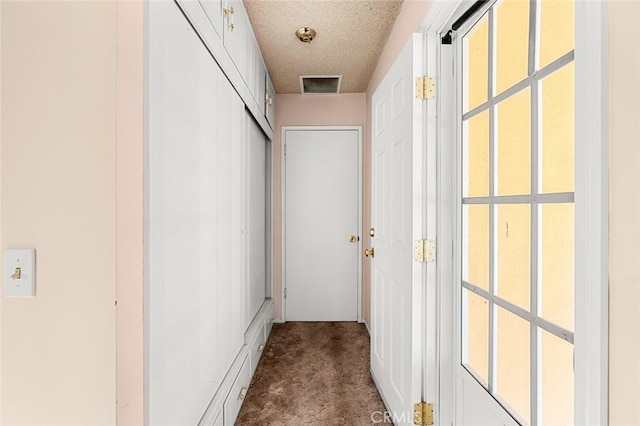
(130, 214)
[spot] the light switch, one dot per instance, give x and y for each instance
(19, 273)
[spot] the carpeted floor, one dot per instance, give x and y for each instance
(313, 373)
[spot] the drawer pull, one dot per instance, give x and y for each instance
(243, 393)
(260, 348)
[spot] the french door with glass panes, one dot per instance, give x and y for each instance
(516, 214)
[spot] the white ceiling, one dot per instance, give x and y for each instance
(350, 39)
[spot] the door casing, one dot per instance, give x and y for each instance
(283, 181)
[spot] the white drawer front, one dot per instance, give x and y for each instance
(212, 418)
(267, 328)
(237, 393)
(219, 420)
(256, 347)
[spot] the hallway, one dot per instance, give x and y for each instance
(313, 373)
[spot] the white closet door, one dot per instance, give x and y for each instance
(193, 288)
(256, 219)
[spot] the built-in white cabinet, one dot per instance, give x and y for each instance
(207, 305)
(224, 27)
(193, 288)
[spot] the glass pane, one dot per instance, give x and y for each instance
(557, 263)
(557, 29)
(514, 145)
(513, 362)
(513, 237)
(512, 43)
(557, 381)
(476, 245)
(558, 134)
(476, 67)
(476, 158)
(476, 342)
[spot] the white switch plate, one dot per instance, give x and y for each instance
(25, 286)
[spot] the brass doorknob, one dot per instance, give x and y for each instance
(372, 232)
(369, 252)
(352, 238)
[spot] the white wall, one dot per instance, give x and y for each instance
(58, 167)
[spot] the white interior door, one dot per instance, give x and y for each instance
(321, 188)
(398, 219)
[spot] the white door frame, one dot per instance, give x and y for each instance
(591, 227)
(283, 180)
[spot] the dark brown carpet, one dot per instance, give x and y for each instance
(313, 373)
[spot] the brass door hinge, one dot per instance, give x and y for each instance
(424, 251)
(425, 87)
(423, 413)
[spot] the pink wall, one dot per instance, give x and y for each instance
(306, 110)
(130, 214)
(58, 196)
(624, 213)
(409, 20)
(345, 109)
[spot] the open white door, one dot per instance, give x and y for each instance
(399, 220)
(530, 292)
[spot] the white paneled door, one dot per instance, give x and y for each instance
(398, 220)
(321, 185)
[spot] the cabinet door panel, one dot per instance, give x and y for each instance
(229, 221)
(213, 10)
(258, 75)
(237, 39)
(270, 101)
(256, 209)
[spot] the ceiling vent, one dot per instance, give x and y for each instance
(320, 84)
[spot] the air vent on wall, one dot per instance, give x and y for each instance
(320, 84)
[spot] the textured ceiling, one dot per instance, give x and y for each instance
(350, 39)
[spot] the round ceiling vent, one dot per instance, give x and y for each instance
(306, 34)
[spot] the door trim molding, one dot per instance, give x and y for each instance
(283, 182)
(591, 355)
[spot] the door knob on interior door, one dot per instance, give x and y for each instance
(369, 252)
(352, 238)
